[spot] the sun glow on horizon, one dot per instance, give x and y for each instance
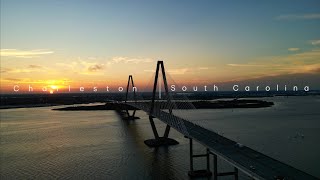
(54, 87)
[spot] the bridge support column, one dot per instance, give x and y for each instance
(199, 173)
(128, 116)
(215, 169)
(154, 129)
(154, 109)
(166, 133)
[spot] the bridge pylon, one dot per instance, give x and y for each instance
(128, 116)
(164, 140)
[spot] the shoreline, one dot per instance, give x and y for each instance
(28, 106)
(45, 100)
(219, 104)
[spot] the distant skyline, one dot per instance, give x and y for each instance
(99, 43)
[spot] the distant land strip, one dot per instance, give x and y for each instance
(219, 104)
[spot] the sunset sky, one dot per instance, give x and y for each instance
(99, 43)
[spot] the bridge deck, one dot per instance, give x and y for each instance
(251, 162)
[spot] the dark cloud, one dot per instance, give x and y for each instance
(317, 70)
(96, 67)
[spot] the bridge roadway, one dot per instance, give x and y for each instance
(251, 162)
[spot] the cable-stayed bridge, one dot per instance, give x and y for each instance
(254, 164)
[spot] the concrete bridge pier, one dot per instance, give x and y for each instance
(206, 172)
(130, 117)
(159, 141)
(203, 172)
(125, 115)
(234, 173)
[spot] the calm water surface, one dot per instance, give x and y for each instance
(39, 143)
